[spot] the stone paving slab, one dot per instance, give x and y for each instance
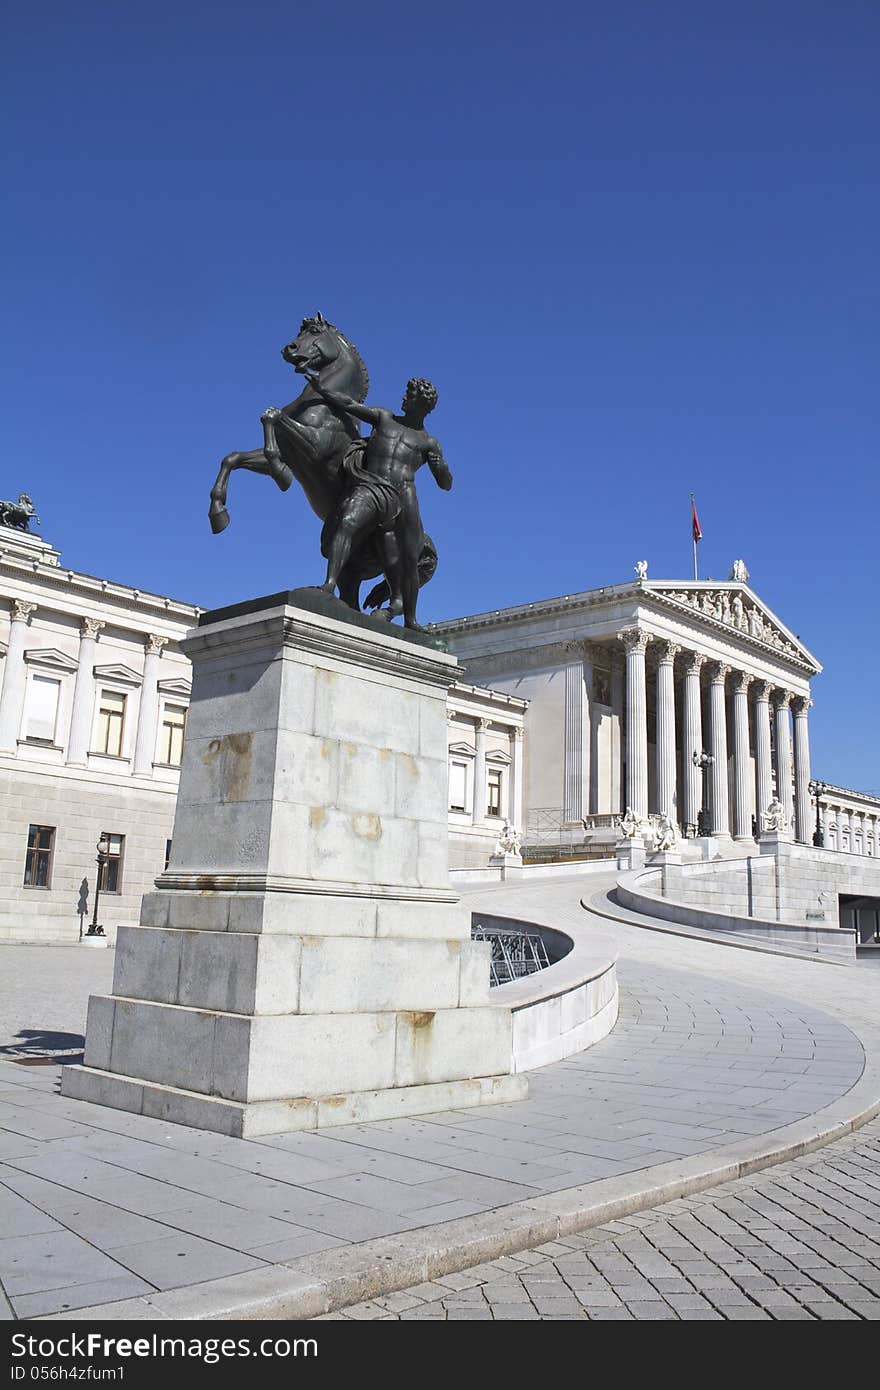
(800, 1242)
(720, 1060)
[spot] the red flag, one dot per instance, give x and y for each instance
(695, 522)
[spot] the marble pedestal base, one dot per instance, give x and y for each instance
(631, 854)
(304, 961)
(511, 865)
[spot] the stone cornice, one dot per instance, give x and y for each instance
(268, 631)
(666, 595)
(55, 578)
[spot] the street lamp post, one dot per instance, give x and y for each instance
(818, 790)
(703, 761)
(103, 847)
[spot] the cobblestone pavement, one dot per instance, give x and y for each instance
(798, 1241)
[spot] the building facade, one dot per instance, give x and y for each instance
(679, 698)
(93, 708)
(569, 711)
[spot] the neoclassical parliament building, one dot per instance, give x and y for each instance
(684, 699)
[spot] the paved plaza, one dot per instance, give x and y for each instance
(722, 1060)
(798, 1241)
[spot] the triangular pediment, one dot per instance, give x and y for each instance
(738, 609)
(50, 656)
(496, 756)
(123, 675)
(464, 750)
(176, 685)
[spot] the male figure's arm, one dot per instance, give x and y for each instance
(371, 414)
(438, 465)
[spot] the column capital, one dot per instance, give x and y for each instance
(695, 662)
(90, 627)
(762, 690)
(801, 704)
(634, 639)
(22, 610)
(781, 699)
(743, 681)
(482, 724)
(519, 733)
(667, 652)
(153, 644)
(576, 647)
(718, 672)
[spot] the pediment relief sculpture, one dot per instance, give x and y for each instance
(731, 609)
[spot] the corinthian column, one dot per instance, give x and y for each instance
(635, 643)
(148, 714)
(803, 808)
(667, 800)
(83, 693)
(573, 748)
(783, 754)
(742, 826)
(763, 763)
(14, 677)
(718, 674)
(515, 812)
(693, 740)
(480, 788)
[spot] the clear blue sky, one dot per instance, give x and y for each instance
(635, 246)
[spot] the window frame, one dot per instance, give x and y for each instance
(170, 703)
(103, 691)
(36, 851)
(112, 859)
(495, 778)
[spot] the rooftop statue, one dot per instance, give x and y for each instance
(362, 489)
(18, 515)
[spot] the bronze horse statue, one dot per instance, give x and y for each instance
(18, 515)
(307, 440)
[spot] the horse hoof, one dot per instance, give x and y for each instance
(218, 517)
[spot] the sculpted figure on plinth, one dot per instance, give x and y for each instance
(363, 490)
(380, 502)
(18, 515)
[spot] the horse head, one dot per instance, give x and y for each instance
(318, 345)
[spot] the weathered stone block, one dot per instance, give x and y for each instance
(359, 975)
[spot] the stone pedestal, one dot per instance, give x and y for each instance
(769, 841)
(304, 960)
(669, 862)
(630, 854)
(511, 865)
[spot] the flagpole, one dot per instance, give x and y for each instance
(693, 537)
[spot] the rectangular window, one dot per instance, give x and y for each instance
(42, 709)
(493, 807)
(38, 860)
(171, 738)
(111, 722)
(457, 786)
(167, 853)
(111, 873)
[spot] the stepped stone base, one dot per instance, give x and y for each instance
(304, 961)
(250, 1121)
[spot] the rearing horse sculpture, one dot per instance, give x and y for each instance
(307, 440)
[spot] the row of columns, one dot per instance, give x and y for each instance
(839, 818)
(514, 769)
(797, 806)
(12, 692)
